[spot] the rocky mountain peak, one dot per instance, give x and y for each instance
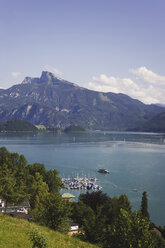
(47, 76)
(27, 80)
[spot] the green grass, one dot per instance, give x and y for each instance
(40, 127)
(14, 233)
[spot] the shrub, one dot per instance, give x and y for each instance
(38, 240)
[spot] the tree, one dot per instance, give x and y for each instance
(9, 189)
(53, 181)
(12, 178)
(55, 212)
(91, 222)
(95, 199)
(124, 202)
(19, 181)
(38, 191)
(144, 206)
(129, 231)
(50, 177)
(37, 167)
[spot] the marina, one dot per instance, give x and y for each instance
(81, 183)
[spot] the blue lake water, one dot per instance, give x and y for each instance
(135, 161)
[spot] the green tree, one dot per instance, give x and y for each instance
(38, 191)
(129, 231)
(79, 212)
(53, 181)
(56, 212)
(94, 199)
(113, 209)
(12, 183)
(124, 203)
(50, 177)
(37, 167)
(92, 222)
(144, 206)
(19, 181)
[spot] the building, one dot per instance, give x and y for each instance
(69, 197)
(74, 228)
(22, 207)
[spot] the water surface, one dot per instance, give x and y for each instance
(135, 161)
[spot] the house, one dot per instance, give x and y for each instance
(74, 228)
(22, 207)
(69, 197)
(2, 204)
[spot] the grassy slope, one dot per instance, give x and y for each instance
(14, 234)
(40, 127)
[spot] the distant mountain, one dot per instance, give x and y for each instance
(52, 101)
(160, 105)
(16, 125)
(156, 124)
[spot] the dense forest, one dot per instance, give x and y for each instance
(73, 129)
(110, 222)
(18, 125)
(14, 125)
(69, 129)
(20, 181)
(104, 221)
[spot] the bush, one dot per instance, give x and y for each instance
(38, 240)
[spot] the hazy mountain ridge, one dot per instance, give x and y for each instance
(51, 101)
(156, 124)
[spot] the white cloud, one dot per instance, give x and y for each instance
(147, 93)
(148, 76)
(112, 84)
(53, 70)
(16, 74)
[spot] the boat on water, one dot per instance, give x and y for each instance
(105, 171)
(81, 183)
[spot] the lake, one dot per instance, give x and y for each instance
(136, 161)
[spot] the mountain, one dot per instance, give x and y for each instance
(52, 101)
(156, 124)
(17, 125)
(160, 105)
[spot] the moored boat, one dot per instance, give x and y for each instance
(81, 183)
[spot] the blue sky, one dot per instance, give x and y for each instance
(106, 45)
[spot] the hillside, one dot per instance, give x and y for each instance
(14, 233)
(16, 125)
(74, 129)
(156, 124)
(55, 102)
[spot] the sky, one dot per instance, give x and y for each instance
(104, 45)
